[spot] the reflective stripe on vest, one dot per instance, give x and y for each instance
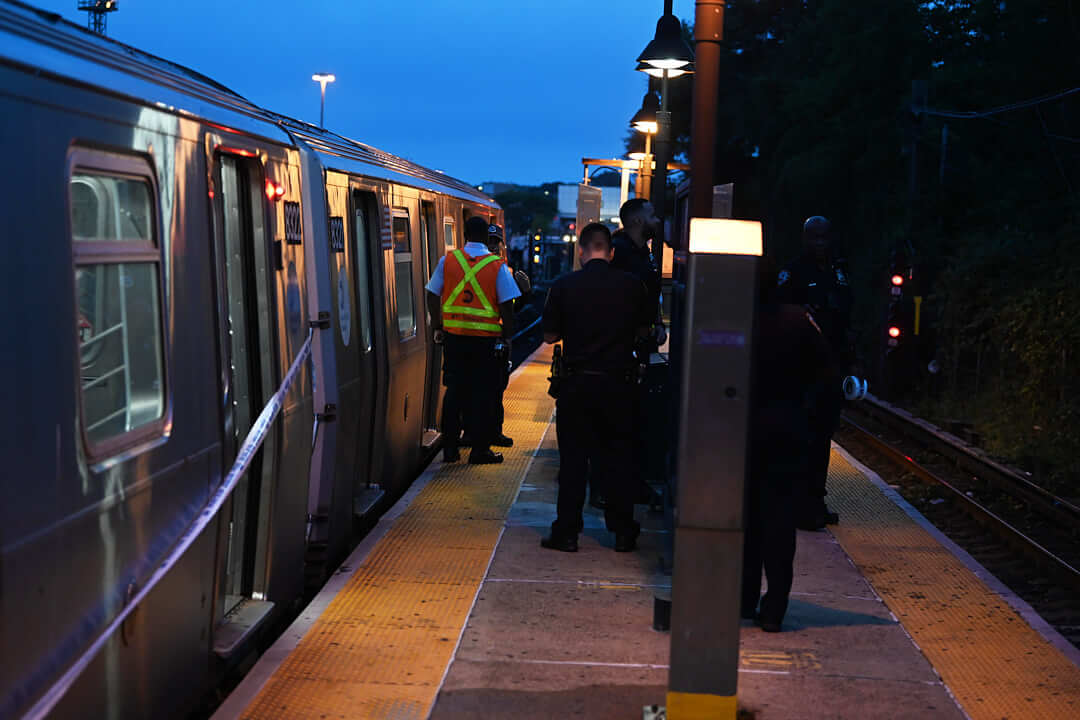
(485, 313)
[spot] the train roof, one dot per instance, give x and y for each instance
(43, 40)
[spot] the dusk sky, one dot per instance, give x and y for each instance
(506, 90)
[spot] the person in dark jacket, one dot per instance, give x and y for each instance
(792, 357)
(818, 281)
(597, 312)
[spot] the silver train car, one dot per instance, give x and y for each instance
(168, 248)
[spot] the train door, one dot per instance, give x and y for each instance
(363, 245)
(247, 356)
(432, 250)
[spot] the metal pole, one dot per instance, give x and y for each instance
(322, 102)
(646, 170)
(658, 188)
(707, 575)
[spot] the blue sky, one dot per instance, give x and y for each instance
(509, 90)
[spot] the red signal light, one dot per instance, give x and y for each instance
(894, 332)
(898, 280)
(572, 227)
(274, 191)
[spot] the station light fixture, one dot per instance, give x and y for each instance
(323, 79)
(644, 120)
(657, 72)
(667, 50)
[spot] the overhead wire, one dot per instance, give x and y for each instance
(971, 114)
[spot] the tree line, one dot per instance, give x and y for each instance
(945, 133)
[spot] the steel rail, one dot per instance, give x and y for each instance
(1046, 558)
(971, 459)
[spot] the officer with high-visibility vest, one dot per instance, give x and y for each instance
(470, 299)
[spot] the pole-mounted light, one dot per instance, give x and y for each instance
(644, 120)
(667, 50)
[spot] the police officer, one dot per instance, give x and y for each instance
(791, 356)
(640, 224)
(597, 312)
(524, 286)
(819, 282)
(463, 294)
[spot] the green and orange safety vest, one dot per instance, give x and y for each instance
(469, 286)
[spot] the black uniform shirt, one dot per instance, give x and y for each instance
(597, 311)
(638, 262)
(791, 356)
(827, 293)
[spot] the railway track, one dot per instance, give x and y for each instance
(1026, 535)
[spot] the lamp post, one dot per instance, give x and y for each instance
(666, 53)
(644, 121)
(323, 79)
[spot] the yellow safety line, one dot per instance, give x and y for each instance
(992, 661)
(382, 646)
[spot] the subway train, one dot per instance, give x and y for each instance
(170, 251)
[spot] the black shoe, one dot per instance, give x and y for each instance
(465, 441)
(627, 541)
(598, 501)
(502, 441)
(484, 457)
(563, 544)
(450, 455)
(769, 626)
(812, 522)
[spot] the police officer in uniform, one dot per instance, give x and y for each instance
(470, 299)
(597, 312)
(791, 357)
(640, 225)
(819, 282)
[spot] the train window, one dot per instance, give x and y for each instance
(117, 270)
(403, 274)
(448, 234)
(363, 272)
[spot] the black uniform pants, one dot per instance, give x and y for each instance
(769, 542)
(826, 402)
(470, 375)
(594, 425)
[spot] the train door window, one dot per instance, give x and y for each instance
(118, 297)
(430, 233)
(448, 234)
(362, 223)
(403, 274)
(250, 353)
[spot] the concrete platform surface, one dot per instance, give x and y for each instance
(556, 635)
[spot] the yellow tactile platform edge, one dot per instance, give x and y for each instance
(992, 661)
(382, 646)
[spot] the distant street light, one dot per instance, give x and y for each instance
(322, 79)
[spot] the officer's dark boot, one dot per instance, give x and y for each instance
(484, 457)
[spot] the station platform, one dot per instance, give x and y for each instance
(450, 609)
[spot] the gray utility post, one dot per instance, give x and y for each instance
(716, 331)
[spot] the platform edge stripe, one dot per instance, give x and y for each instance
(992, 662)
(491, 558)
(256, 678)
(1017, 603)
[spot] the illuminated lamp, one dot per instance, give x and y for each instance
(667, 50)
(894, 332)
(898, 280)
(726, 237)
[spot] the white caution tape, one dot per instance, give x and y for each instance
(247, 451)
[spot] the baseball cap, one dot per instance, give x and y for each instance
(494, 231)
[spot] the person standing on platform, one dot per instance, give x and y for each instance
(791, 357)
(819, 282)
(470, 298)
(640, 225)
(597, 312)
